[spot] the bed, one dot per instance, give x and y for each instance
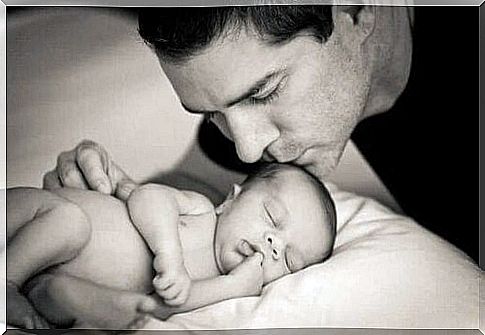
(76, 73)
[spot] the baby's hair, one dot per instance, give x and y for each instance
(270, 171)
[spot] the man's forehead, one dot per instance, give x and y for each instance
(225, 70)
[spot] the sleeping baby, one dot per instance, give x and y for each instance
(81, 258)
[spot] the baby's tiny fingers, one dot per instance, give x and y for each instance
(180, 299)
(258, 257)
(161, 283)
(170, 293)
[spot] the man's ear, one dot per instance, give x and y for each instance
(236, 189)
(360, 20)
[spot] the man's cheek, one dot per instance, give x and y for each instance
(324, 164)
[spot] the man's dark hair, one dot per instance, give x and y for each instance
(177, 33)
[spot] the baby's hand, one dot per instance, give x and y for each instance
(249, 275)
(172, 282)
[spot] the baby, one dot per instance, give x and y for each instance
(80, 257)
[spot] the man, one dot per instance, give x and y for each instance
(284, 83)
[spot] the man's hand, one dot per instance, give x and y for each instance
(249, 275)
(88, 166)
(172, 282)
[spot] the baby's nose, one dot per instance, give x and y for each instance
(274, 246)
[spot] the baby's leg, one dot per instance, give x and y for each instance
(38, 237)
(70, 301)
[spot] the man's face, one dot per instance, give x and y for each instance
(294, 102)
(282, 218)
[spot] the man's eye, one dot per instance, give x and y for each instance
(266, 99)
(260, 99)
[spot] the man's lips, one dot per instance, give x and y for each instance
(297, 159)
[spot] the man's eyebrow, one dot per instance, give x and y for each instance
(261, 83)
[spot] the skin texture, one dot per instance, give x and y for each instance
(281, 217)
(321, 91)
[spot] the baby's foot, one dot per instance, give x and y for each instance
(20, 311)
(108, 308)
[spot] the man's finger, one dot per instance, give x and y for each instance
(68, 171)
(70, 176)
(90, 161)
(51, 180)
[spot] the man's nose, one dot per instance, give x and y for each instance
(251, 134)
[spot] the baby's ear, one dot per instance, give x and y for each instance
(236, 189)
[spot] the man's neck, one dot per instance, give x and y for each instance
(391, 51)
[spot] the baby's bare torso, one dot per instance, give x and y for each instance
(117, 256)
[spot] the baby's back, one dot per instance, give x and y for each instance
(116, 254)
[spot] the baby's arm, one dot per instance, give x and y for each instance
(155, 210)
(245, 280)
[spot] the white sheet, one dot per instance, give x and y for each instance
(386, 271)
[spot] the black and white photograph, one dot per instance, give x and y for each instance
(242, 166)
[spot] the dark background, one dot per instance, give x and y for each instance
(425, 149)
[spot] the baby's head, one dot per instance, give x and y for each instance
(281, 211)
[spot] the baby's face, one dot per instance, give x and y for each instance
(280, 217)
